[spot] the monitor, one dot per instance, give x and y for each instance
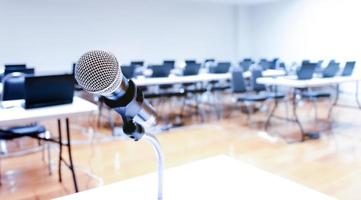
(41, 91)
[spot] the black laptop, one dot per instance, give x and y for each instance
(41, 91)
(348, 70)
(331, 70)
(306, 71)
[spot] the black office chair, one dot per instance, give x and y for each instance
(169, 63)
(191, 90)
(14, 88)
(245, 64)
(189, 62)
(273, 63)
(248, 99)
(305, 73)
(128, 71)
(138, 63)
(264, 64)
(348, 69)
(258, 88)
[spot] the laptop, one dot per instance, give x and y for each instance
(331, 70)
(41, 91)
(348, 70)
(306, 71)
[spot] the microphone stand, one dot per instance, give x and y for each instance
(160, 160)
(128, 105)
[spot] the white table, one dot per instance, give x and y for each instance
(293, 82)
(197, 78)
(14, 113)
(215, 178)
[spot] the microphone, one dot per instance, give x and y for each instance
(98, 72)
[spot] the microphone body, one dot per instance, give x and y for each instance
(98, 72)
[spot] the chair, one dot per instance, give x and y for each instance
(169, 63)
(137, 63)
(245, 64)
(191, 69)
(264, 64)
(188, 62)
(348, 69)
(14, 88)
(273, 63)
(238, 86)
(305, 73)
(128, 71)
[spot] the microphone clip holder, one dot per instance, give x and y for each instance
(127, 106)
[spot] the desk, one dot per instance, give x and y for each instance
(217, 178)
(14, 114)
(294, 83)
(198, 78)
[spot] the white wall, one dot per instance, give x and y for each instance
(51, 34)
(314, 29)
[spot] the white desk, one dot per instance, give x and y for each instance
(197, 78)
(215, 178)
(293, 82)
(289, 81)
(14, 114)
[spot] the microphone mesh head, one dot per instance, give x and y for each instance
(98, 72)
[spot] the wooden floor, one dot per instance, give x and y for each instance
(331, 165)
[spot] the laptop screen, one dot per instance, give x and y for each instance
(51, 90)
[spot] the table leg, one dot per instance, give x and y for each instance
(356, 95)
(268, 121)
(310, 135)
(60, 150)
(71, 165)
(335, 102)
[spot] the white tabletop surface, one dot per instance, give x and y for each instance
(292, 81)
(216, 178)
(197, 78)
(14, 112)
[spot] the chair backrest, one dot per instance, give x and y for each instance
(161, 70)
(191, 69)
(306, 71)
(348, 70)
(190, 62)
(15, 66)
(245, 64)
(255, 74)
(14, 86)
(221, 68)
(331, 70)
(264, 64)
(237, 82)
(137, 63)
(128, 71)
(29, 71)
(273, 63)
(169, 63)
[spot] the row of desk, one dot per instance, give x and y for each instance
(293, 83)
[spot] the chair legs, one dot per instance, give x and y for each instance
(3, 147)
